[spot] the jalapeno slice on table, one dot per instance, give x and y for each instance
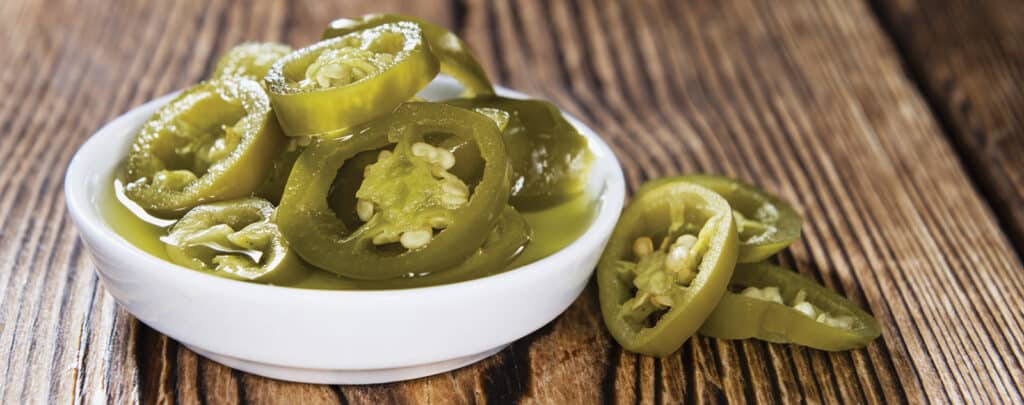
(456, 57)
(778, 305)
(667, 264)
(550, 158)
(344, 81)
(766, 224)
(413, 215)
(213, 142)
(236, 239)
(251, 60)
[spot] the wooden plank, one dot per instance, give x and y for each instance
(970, 59)
(807, 98)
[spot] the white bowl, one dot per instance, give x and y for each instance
(336, 337)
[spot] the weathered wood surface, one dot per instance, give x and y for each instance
(805, 97)
(969, 57)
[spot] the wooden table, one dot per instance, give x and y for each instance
(896, 126)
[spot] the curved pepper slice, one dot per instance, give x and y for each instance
(502, 245)
(654, 295)
(342, 82)
(251, 60)
(766, 223)
(273, 186)
(236, 239)
(414, 216)
(213, 142)
(778, 305)
(456, 58)
(550, 158)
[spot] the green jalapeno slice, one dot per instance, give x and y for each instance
(667, 264)
(341, 82)
(501, 246)
(213, 142)
(766, 223)
(413, 215)
(456, 58)
(778, 305)
(251, 60)
(236, 239)
(550, 158)
(273, 186)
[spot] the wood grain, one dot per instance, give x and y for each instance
(807, 98)
(969, 58)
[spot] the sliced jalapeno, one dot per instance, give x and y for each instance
(414, 216)
(251, 60)
(766, 223)
(214, 142)
(778, 305)
(501, 246)
(550, 158)
(236, 239)
(667, 264)
(456, 58)
(344, 81)
(273, 186)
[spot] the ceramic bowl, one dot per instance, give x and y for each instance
(336, 337)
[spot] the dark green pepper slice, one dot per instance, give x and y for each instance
(501, 246)
(655, 295)
(236, 239)
(415, 217)
(214, 142)
(550, 158)
(341, 82)
(778, 305)
(251, 60)
(456, 58)
(766, 223)
(273, 186)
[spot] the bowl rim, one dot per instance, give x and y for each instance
(79, 200)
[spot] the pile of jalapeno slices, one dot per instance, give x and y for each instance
(289, 161)
(687, 256)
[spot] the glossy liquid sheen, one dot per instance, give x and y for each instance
(553, 229)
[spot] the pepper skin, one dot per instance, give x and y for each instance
(214, 142)
(550, 159)
(341, 82)
(766, 223)
(820, 319)
(236, 239)
(456, 58)
(503, 244)
(251, 60)
(654, 297)
(401, 191)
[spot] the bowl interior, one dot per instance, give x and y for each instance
(96, 161)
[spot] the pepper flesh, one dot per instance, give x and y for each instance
(502, 245)
(550, 158)
(251, 60)
(647, 307)
(236, 239)
(456, 58)
(766, 224)
(341, 82)
(213, 142)
(808, 314)
(325, 240)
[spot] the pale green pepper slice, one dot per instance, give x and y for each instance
(236, 239)
(341, 82)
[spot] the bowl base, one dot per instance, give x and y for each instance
(345, 377)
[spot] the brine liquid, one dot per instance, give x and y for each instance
(553, 229)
